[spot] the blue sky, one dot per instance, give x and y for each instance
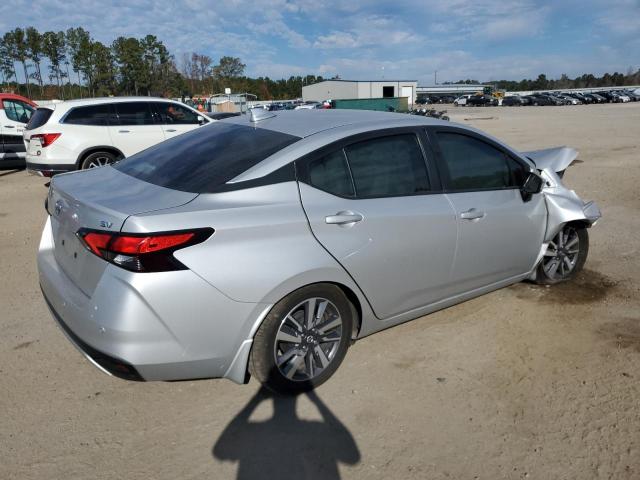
(480, 39)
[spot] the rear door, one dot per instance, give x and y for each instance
(137, 127)
(377, 208)
(499, 233)
(177, 119)
(13, 118)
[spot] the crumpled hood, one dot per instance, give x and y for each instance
(555, 159)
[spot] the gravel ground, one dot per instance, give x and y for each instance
(525, 382)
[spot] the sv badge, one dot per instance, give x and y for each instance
(105, 224)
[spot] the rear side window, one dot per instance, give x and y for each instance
(91, 115)
(388, 166)
(202, 160)
(134, 113)
(17, 111)
(39, 118)
(471, 164)
(176, 114)
(331, 174)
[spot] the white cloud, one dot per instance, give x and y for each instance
(355, 39)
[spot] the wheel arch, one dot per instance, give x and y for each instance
(348, 291)
(100, 148)
(238, 371)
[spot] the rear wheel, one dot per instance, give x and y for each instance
(98, 159)
(565, 255)
(303, 340)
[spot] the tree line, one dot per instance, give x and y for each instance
(72, 64)
(615, 79)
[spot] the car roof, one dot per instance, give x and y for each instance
(304, 123)
(100, 100)
(13, 96)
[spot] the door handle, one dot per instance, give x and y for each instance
(343, 218)
(9, 126)
(123, 131)
(171, 130)
(472, 214)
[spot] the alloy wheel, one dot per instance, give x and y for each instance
(562, 254)
(100, 161)
(308, 339)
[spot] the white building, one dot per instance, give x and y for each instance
(359, 89)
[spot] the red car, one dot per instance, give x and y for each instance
(15, 112)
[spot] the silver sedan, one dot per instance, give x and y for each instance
(264, 244)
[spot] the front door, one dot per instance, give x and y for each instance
(499, 233)
(14, 116)
(372, 205)
(176, 119)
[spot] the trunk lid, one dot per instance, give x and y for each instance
(99, 199)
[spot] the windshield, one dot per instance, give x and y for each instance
(201, 160)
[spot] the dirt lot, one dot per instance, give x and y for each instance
(526, 382)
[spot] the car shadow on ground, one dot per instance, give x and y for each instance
(286, 446)
(4, 172)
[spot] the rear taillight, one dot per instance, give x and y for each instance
(152, 252)
(46, 139)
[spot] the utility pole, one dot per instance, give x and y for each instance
(435, 77)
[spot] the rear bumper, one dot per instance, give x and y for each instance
(110, 365)
(49, 169)
(150, 326)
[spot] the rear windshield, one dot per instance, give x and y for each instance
(206, 158)
(39, 118)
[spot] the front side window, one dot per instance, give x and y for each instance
(176, 114)
(388, 166)
(331, 174)
(18, 111)
(134, 113)
(91, 115)
(471, 164)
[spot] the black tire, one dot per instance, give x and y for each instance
(543, 276)
(97, 159)
(262, 361)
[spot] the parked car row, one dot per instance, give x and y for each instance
(550, 98)
(435, 99)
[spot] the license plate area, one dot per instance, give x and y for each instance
(35, 146)
(82, 267)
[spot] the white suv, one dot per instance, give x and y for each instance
(81, 134)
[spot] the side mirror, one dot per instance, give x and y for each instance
(532, 184)
(200, 120)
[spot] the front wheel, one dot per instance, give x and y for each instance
(303, 339)
(565, 255)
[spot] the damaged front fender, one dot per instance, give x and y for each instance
(564, 206)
